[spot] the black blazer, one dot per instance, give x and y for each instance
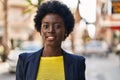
(28, 63)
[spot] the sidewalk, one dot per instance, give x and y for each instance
(103, 68)
(97, 68)
(3, 67)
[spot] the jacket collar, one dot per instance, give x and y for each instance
(33, 63)
(68, 62)
(34, 59)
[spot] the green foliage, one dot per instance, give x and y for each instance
(39, 2)
(31, 7)
(30, 2)
(27, 11)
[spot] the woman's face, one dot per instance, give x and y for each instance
(52, 30)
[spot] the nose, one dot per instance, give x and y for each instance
(51, 29)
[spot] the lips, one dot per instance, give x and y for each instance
(50, 38)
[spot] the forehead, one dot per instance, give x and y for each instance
(52, 18)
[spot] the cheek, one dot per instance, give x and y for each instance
(42, 34)
(62, 36)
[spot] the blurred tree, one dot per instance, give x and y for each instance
(77, 20)
(32, 6)
(5, 36)
(77, 14)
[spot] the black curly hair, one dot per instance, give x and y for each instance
(58, 8)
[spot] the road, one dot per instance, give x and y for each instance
(4, 73)
(97, 68)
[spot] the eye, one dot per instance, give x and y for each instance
(45, 25)
(57, 26)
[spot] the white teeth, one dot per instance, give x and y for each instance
(50, 37)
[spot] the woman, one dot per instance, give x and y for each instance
(55, 22)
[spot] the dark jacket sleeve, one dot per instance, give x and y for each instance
(82, 67)
(20, 68)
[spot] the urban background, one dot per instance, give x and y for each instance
(96, 35)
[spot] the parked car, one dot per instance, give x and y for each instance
(28, 46)
(96, 47)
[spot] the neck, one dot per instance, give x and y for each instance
(49, 51)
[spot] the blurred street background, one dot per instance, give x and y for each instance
(97, 68)
(96, 35)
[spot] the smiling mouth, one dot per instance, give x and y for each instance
(50, 38)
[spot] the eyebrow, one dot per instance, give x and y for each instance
(53, 22)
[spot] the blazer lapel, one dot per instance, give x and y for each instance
(68, 65)
(32, 67)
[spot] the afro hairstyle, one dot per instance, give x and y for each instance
(58, 8)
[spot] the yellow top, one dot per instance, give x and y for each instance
(51, 68)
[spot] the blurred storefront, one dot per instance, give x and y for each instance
(20, 23)
(1, 19)
(108, 21)
(103, 14)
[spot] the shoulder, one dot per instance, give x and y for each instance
(74, 56)
(78, 57)
(26, 56)
(79, 61)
